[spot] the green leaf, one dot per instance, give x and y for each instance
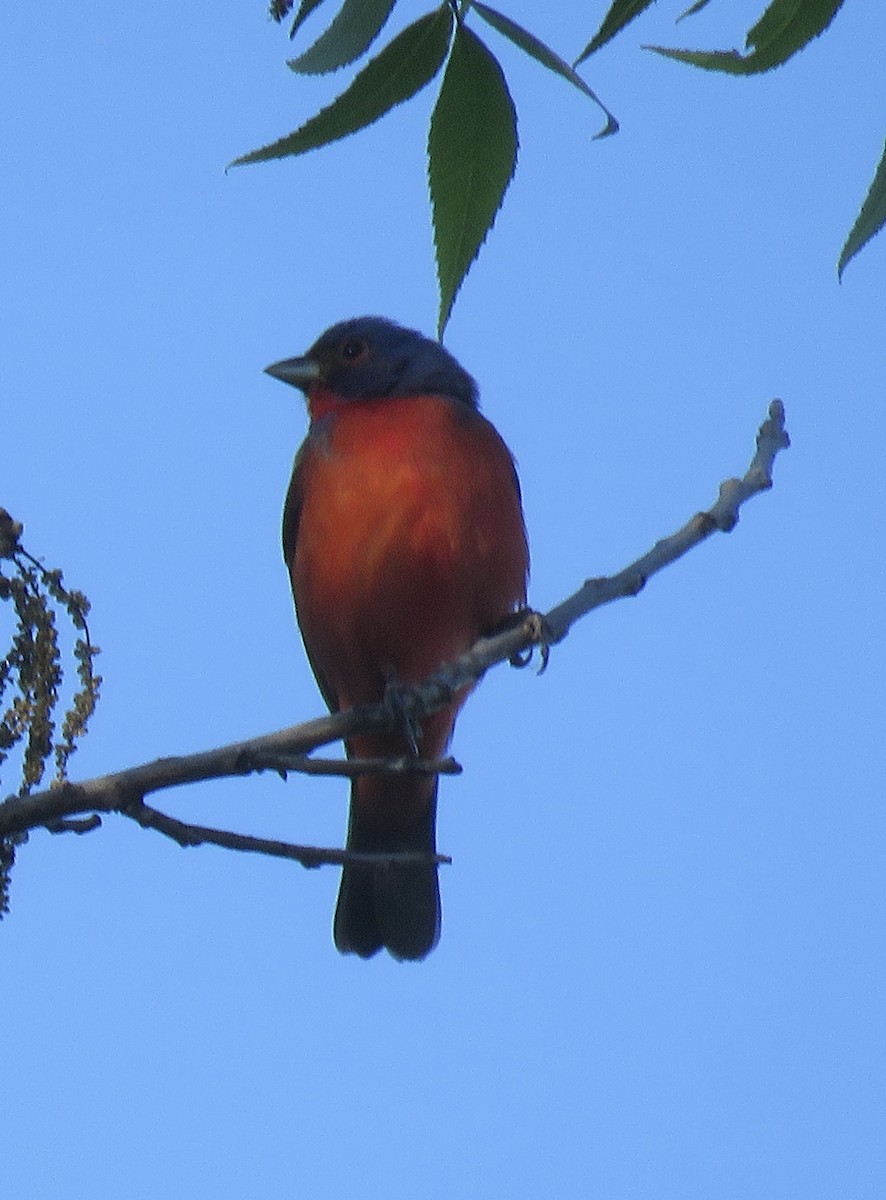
(304, 11)
(621, 12)
(403, 68)
(355, 28)
(791, 23)
(870, 220)
(784, 28)
(277, 9)
(529, 43)
(472, 154)
(693, 9)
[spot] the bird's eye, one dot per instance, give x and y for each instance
(354, 350)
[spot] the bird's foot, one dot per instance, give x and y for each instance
(537, 631)
(397, 700)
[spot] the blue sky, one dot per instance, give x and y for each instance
(661, 971)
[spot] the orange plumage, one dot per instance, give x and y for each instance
(404, 537)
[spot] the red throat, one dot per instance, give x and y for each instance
(322, 401)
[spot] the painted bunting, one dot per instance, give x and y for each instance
(404, 537)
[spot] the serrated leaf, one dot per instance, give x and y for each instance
(620, 14)
(304, 11)
(403, 68)
(784, 29)
(870, 220)
(472, 153)
(354, 29)
(536, 49)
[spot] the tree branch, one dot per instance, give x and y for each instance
(309, 856)
(59, 808)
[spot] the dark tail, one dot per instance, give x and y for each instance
(395, 907)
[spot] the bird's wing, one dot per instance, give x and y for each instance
(291, 520)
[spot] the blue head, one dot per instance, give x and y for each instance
(370, 357)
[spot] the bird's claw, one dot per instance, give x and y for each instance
(540, 639)
(396, 699)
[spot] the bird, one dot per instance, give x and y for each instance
(405, 541)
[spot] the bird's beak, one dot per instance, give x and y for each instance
(300, 372)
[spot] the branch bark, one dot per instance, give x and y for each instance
(61, 808)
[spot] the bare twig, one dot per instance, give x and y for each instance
(350, 768)
(722, 516)
(59, 808)
(309, 856)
